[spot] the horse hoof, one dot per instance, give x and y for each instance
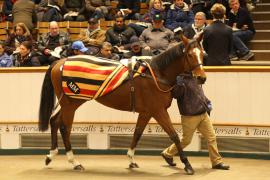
(79, 168)
(47, 161)
(189, 170)
(133, 165)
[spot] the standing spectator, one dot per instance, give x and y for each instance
(50, 41)
(120, 34)
(73, 10)
(131, 9)
(194, 108)
(98, 8)
(217, 39)
(179, 15)
(24, 12)
(242, 24)
(93, 36)
(156, 38)
(106, 52)
(5, 59)
(20, 33)
(25, 57)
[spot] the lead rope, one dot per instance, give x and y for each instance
(155, 79)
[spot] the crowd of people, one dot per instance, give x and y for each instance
(225, 38)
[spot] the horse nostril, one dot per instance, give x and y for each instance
(201, 80)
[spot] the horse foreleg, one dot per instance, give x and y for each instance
(165, 122)
(142, 121)
(54, 123)
(65, 130)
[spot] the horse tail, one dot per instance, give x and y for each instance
(46, 101)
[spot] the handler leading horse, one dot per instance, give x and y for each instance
(152, 96)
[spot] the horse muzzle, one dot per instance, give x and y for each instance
(200, 79)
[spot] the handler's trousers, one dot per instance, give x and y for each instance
(205, 127)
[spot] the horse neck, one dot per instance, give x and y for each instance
(171, 71)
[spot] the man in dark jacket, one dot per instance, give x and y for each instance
(120, 34)
(48, 43)
(243, 30)
(217, 39)
(194, 108)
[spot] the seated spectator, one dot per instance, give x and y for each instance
(179, 15)
(156, 37)
(5, 59)
(120, 34)
(197, 27)
(155, 7)
(217, 39)
(93, 37)
(136, 49)
(243, 31)
(24, 12)
(73, 10)
(78, 48)
(98, 8)
(106, 52)
(49, 10)
(129, 9)
(25, 57)
(20, 33)
(7, 9)
(197, 5)
(50, 41)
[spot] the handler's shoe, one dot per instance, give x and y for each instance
(221, 166)
(168, 160)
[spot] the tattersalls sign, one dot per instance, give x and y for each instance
(233, 131)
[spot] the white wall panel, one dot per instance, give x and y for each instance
(237, 97)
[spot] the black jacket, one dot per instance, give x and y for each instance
(217, 43)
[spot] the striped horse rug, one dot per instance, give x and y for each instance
(88, 77)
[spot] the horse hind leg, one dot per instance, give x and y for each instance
(165, 122)
(142, 121)
(65, 130)
(54, 123)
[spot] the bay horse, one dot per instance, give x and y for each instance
(152, 94)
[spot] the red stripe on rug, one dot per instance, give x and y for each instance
(85, 92)
(87, 70)
(114, 81)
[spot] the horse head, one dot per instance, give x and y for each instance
(194, 57)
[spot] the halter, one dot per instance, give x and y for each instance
(187, 56)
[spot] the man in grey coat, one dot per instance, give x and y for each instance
(156, 37)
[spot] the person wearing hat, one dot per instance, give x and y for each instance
(93, 36)
(78, 48)
(136, 49)
(156, 37)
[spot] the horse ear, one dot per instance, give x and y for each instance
(199, 37)
(184, 39)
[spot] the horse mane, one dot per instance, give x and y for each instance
(162, 60)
